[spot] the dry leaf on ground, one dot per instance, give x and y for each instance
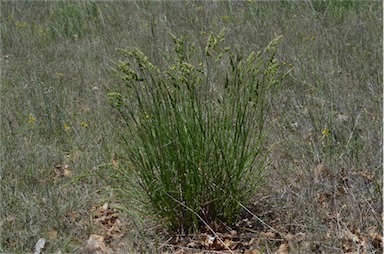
(283, 249)
(366, 175)
(96, 245)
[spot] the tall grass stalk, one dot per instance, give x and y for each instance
(195, 128)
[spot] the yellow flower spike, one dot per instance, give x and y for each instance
(59, 74)
(313, 38)
(326, 132)
(84, 124)
(225, 18)
(31, 119)
(66, 126)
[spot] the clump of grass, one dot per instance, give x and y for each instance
(195, 128)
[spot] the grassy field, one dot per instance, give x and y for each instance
(61, 142)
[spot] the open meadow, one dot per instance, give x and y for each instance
(151, 127)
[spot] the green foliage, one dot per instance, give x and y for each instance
(73, 20)
(50, 21)
(195, 127)
(336, 10)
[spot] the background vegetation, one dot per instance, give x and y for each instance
(60, 142)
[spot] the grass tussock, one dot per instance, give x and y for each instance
(195, 128)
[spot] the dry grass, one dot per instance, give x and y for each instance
(58, 131)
